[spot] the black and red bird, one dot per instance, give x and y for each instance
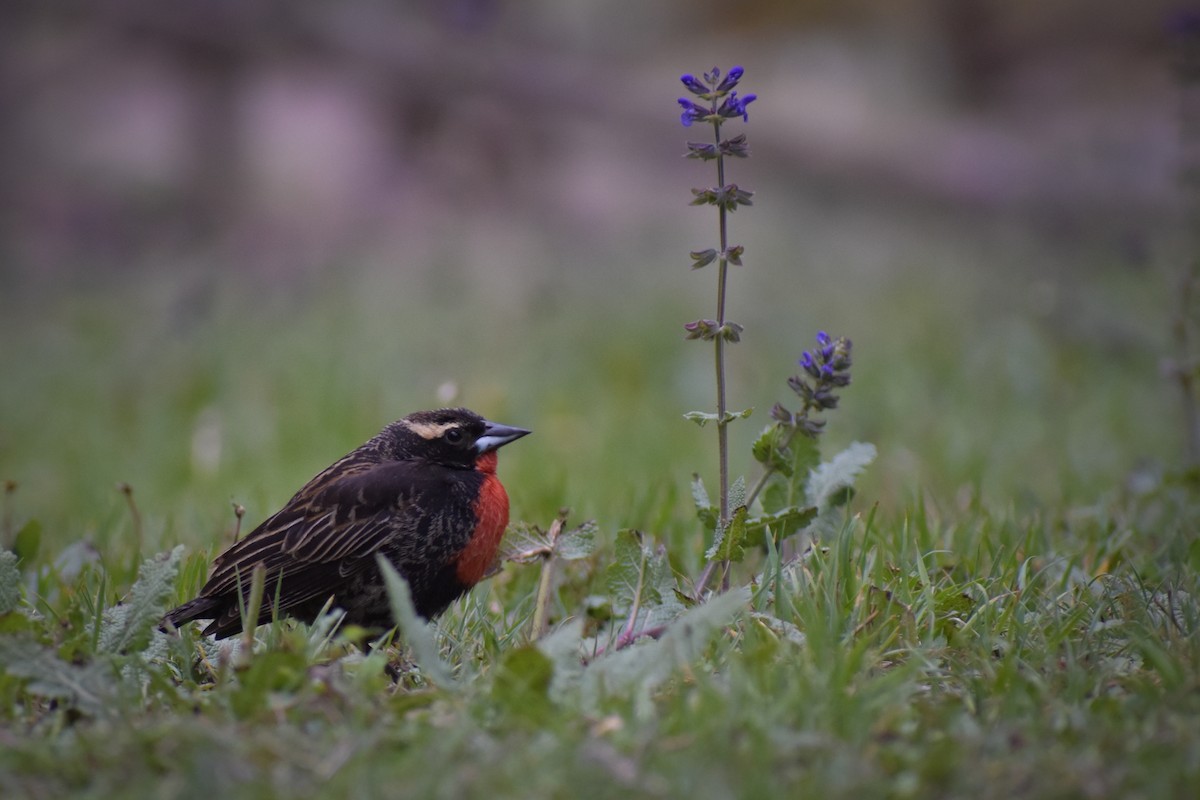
(423, 493)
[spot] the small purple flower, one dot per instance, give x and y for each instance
(692, 112)
(734, 106)
(731, 79)
(694, 86)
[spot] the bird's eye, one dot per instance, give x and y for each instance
(453, 435)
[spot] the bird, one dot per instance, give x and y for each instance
(423, 493)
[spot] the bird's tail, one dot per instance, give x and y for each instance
(200, 608)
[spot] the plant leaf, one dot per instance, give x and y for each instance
(786, 488)
(89, 688)
(828, 482)
(645, 666)
(737, 492)
(705, 510)
(628, 576)
(28, 541)
(522, 684)
(564, 649)
(10, 582)
(782, 523)
(126, 627)
(831, 485)
(730, 545)
(577, 543)
(524, 543)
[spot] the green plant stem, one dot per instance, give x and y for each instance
(1185, 370)
(541, 605)
(1183, 329)
(719, 358)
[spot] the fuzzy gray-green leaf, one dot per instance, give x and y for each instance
(644, 667)
(89, 688)
(127, 627)
(704, 507)
(782, 523)
(701, 418)
(730, 545)
(628, 575)
(577, 543)
(828, 481)
(10, 582)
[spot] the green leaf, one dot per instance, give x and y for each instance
(564, 648)
(730, 544)
(737, 492)
(786, 488)
(831, 485)
(270, 673)
(417, 633)
(699, 493)
(702, 418)
(771, 448)
(89, 688)
(645, 666)
(827, 485)
(28, 541)
(628, 576)
(126, 627)
(705, 510)
(10, 582)
(577, 543)
(782, 523)
(522, 684)
(525, 543)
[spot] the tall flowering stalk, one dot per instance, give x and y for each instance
(717, 102)
(1184, 366)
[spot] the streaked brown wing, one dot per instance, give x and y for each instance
(326, 532)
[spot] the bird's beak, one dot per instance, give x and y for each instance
(496, 435)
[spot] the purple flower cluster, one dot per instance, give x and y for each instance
(718, 92)
(826, 369)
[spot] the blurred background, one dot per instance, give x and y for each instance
(236, 238)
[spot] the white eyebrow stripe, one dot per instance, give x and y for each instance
(430, 430)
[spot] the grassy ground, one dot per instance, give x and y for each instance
(1011, 607)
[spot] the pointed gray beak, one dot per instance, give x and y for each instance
(497, 435)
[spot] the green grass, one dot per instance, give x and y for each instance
(1011, 609)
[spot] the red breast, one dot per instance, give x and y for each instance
(491, 515)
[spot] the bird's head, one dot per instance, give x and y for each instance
(453, 437)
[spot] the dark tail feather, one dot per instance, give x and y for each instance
(200, 608)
